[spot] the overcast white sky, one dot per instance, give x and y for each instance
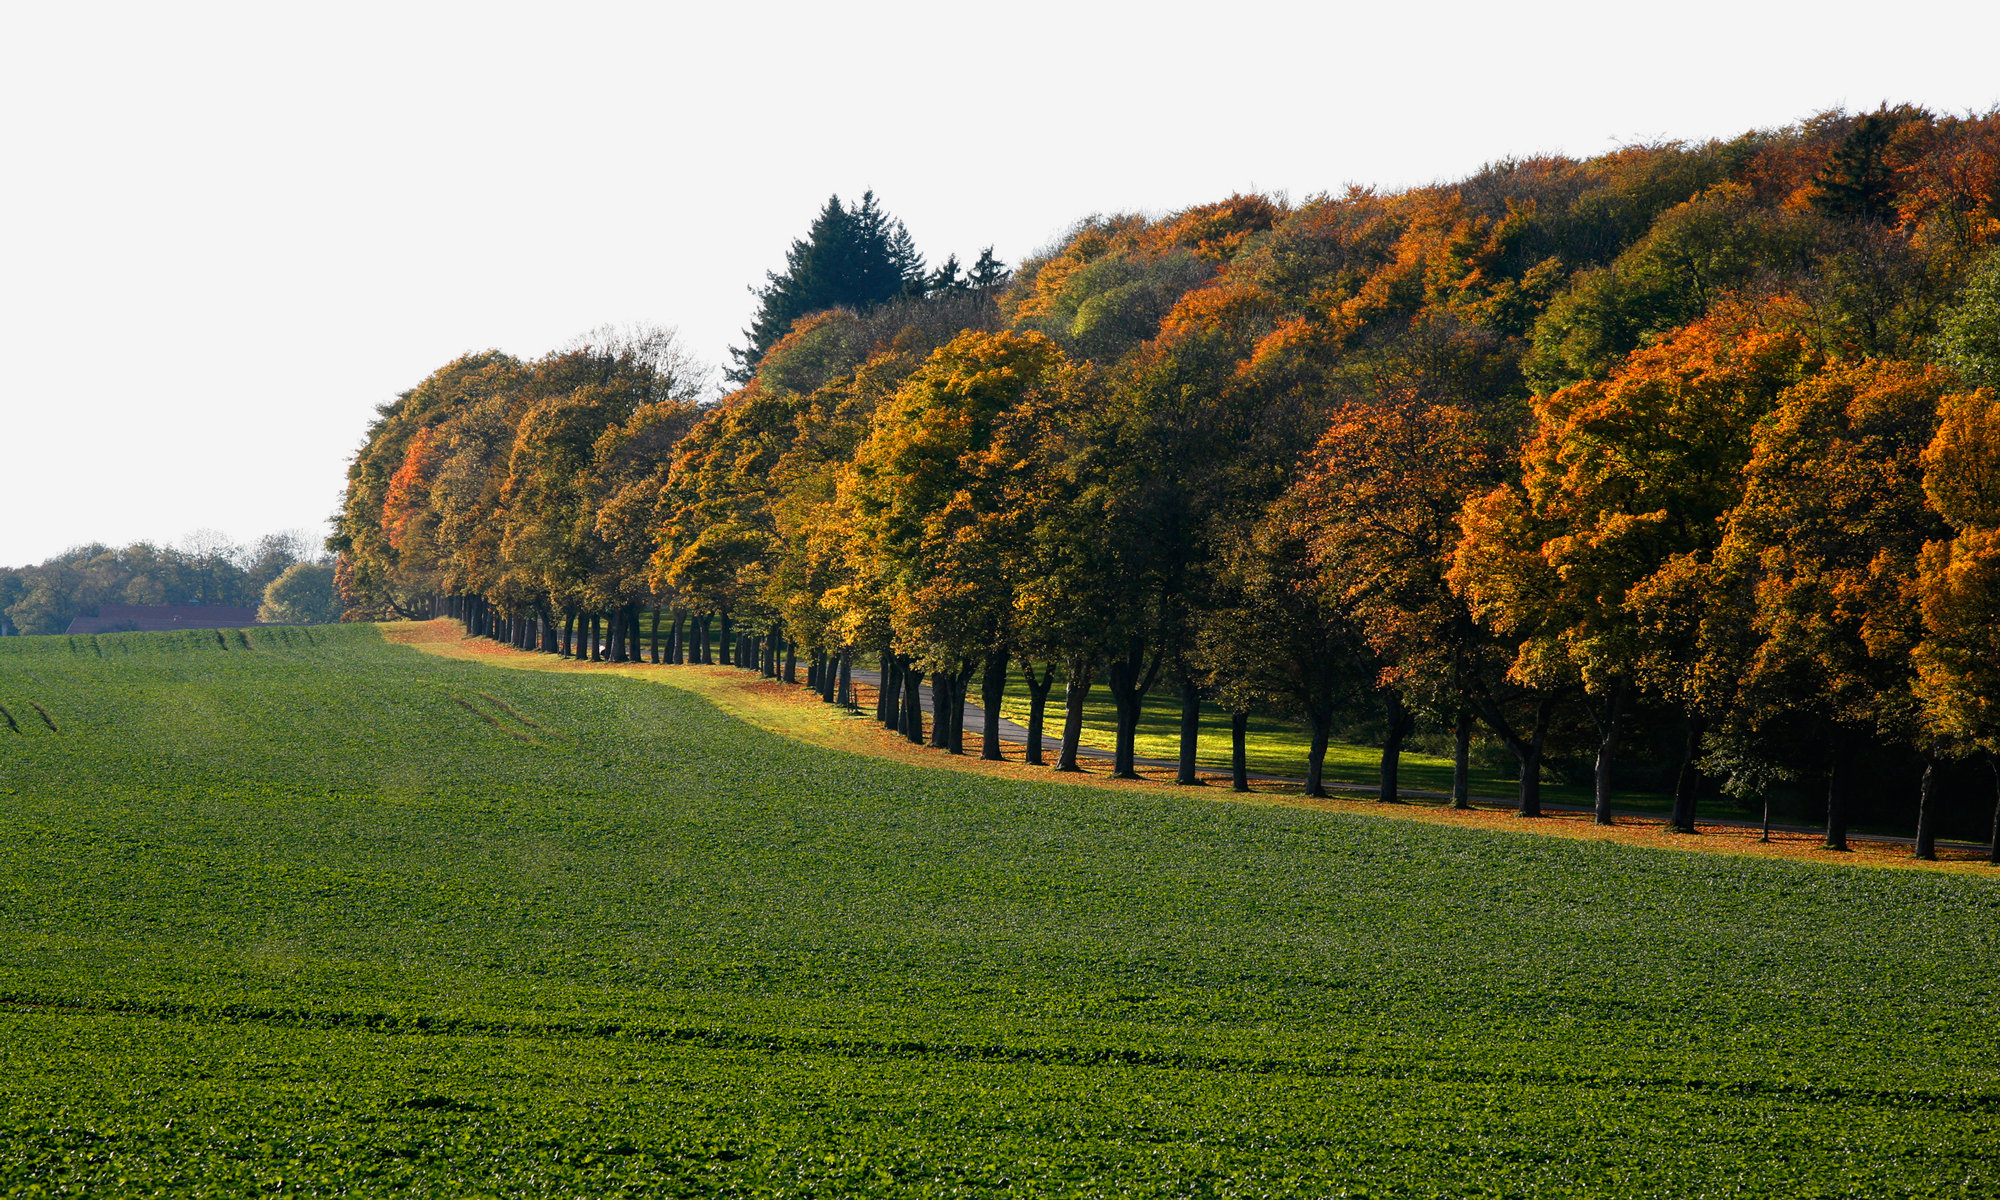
(228, 232)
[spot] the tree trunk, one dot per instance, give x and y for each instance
(773, 641)
(1461, 760)
(1319, 711)
(1993, 850)
(847, 678)
(992, 689)
(913, 703)
(1322, 733)
(677, 648)
(889, 695)
(941, 689)
(653, 643)
(1400, 723)
(1836, 792)
(812, 671)
(1190, 733)
(961, 694)
(1608, 730)
(1239, 757)
(791, 661)
(615, 652)
(1687, 787)
(564, 646)
(1128, 692)
(1927, 809)
(1038, 701)
(723, 638)
(1078, 675)
(1531, 762)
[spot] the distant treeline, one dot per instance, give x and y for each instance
(1680, 466)
(203, 569)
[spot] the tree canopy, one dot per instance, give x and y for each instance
(1671, 464)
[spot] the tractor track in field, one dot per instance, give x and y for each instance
(1000, 1054)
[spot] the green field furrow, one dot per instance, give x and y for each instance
(302, 912)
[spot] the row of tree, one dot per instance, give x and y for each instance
(204, 568)
(1688, 444)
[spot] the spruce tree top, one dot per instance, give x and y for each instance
(854, 256)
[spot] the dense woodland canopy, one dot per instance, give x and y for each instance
(1676, 468)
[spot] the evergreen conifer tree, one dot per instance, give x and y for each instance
(854, 256)
(989, 274)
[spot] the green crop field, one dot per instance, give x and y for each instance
(299, 912)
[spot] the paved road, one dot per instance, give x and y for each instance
(1011, 731)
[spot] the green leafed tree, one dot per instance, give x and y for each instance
(303, 595)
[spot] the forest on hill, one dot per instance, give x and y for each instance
(1678, 466)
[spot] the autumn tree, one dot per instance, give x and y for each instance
(390, 484)
(1958, 583)
(1278, 601)
(925, 486)
(1623, 488)
(1381, 501)
(1822, 554)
